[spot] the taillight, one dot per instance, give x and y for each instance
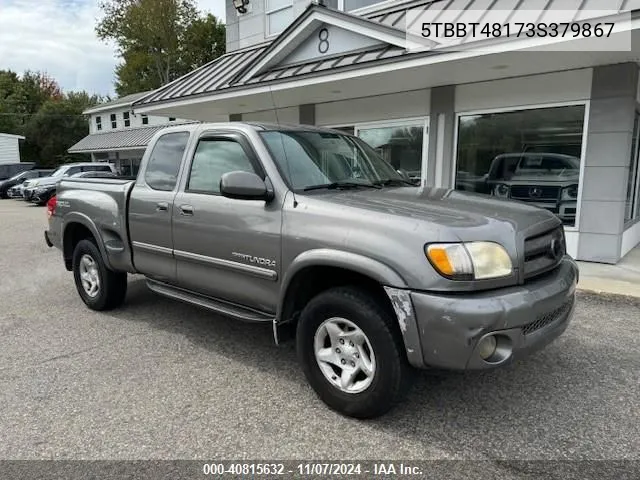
(51, 206)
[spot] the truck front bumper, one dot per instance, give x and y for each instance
(448, 330)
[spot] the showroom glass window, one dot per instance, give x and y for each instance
(527, 155)
(400, 145)
(631, 208)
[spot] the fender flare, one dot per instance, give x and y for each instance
(373, 269)
(85, 221)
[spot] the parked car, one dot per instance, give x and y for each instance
(8, 170)
(43, 193)
(15, 192)
(5, 185)
(39, 188)
(546, 180)
(267, 223)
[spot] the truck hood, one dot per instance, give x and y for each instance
(467, 215)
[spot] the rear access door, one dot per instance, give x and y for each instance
(150, 208)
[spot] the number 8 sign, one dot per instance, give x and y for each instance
(323, 36)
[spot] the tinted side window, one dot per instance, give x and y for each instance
(212, 159)
(164, 163)
(73, 170)
(96, 168)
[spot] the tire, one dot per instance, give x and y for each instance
(390, 379)
(44, 201)
(111, 286)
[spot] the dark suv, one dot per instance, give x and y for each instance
(21, 177)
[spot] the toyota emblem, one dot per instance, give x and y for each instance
(556, 248)
(535, 192)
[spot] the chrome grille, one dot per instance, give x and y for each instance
(543, 252)
(548, 318)
(534, 192)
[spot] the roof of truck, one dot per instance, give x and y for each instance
(253, 125)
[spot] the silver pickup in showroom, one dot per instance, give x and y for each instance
(310, 230)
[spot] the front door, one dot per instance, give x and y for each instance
(226, 248)
(150, 208)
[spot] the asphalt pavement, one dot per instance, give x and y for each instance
(157, 379)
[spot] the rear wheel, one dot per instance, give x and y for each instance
(44, 199)
(99, 287)
(352, 353)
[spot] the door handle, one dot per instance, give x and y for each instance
(162, 206)
(186, 210)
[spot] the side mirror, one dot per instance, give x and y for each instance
(244, 186)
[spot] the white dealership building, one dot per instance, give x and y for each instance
(558, 129)
(117, 135)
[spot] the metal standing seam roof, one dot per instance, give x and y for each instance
(224, 72)
(215, 75)
(116, 140)
(396, 16)
(118, 102)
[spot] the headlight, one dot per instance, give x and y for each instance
(470, 261)
(501, 190)
(570, 193)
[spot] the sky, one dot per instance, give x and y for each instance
(58, 37)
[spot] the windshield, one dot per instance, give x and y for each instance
(547, 164)
(19, 176)
(313, 159)
(58, 172)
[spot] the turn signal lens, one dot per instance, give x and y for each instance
(450, 259)
(469, 261)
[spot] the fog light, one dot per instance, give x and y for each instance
(487, 347)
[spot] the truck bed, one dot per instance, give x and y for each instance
(99, 204)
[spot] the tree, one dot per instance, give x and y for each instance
(204, 40)
(34, 105)
(158, 40)
(9, 86)
(135, 74)
(57, 125)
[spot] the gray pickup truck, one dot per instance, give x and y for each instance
(310, 230)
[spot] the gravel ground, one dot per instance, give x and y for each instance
(163, 380)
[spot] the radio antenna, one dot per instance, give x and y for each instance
(284, 150)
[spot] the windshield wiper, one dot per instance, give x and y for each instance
(341, 184)
(394, 181)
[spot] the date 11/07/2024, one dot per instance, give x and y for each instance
(516, 30)
(328, 469)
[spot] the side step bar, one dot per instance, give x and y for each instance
(219, 306)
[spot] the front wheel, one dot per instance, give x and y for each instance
(99, 287)
(352, 353)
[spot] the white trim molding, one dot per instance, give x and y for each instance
(308, 25)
